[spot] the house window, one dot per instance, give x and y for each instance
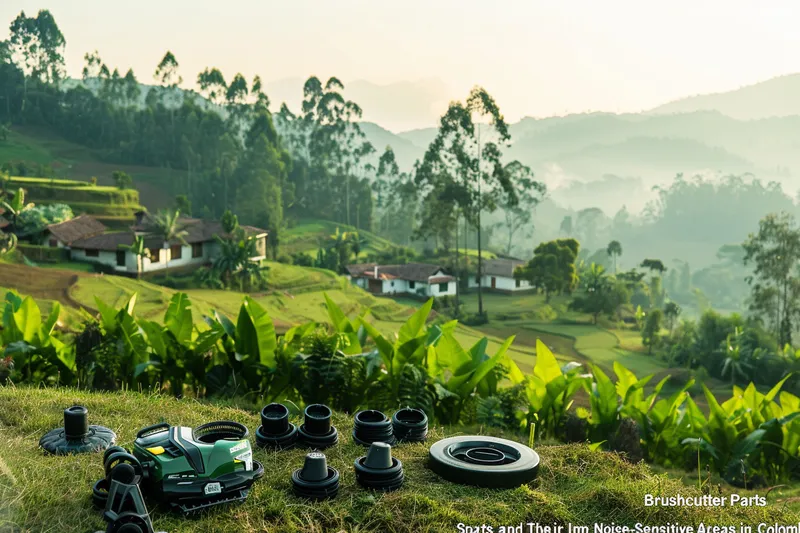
(155, 255)
(197, 250)
(518, 283)
(90, 252)
(121, 258)
(477, 279)
(392, 284)
(412, 284)
(443, 287)
(176, 252)
(53, 243)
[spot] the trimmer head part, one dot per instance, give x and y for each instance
(484, 461)
(194, 469)
(372, 426)
(77, 436)
(112, 458)
(378, 470)
(275, 430)
(316, 480)
(125, 510)
(317, 431)
(410, 425)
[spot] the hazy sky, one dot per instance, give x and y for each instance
(537, 58)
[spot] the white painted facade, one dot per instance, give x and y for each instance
(109, 258)
(501, 283)
(402, 286)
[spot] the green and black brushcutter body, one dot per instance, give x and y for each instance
(193, 469)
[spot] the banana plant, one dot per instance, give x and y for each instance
(178, 351)
(37, 354)
(460, 373)
(405, 356)
(250, 357)
(123, 334)
(550, 391)
(352, 332)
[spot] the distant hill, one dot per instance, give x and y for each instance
(777, 97)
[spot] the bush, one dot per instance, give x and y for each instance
(476, 319)
(301, 259)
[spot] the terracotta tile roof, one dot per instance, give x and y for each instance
(441, 279)
(501, 267)
(80, 227)
(410, 271)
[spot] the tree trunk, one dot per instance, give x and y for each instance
(458, 288)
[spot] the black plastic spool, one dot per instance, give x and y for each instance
(372, 426)
(410, 425)
(316, 480)
(317, 431)
(275, 430)
(378, 470)
(77, 436)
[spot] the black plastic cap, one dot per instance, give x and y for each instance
(378, 470)
(274, 419)
(316, 480)
(76, 422)
(379, 456)
(317, 419)
(410, 425)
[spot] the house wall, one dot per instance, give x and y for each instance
(104, 258)
(502, 283)
(433, 289)
(185, 260)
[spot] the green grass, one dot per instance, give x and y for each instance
(305, 236)
(575, 485)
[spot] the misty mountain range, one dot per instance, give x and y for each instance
(600, 159)
(755, 129)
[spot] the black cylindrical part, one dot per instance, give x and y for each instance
(76, 422)
(372, 426)
(317, 419)
(410, 425)
(275, 419)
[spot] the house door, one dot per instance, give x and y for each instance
(494, 282)
(120, 258)
(376, 286)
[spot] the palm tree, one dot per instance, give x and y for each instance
(139, 249)
(168, 227)
(614, 250)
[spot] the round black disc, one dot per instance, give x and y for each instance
(97, 439)
(484, 461)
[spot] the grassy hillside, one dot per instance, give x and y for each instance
(575, 485)
(305, 237)
(295, 296)
(156, 186)
(104, 202)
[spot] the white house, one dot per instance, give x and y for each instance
(498, 275)
(418, 279)
(89, 240)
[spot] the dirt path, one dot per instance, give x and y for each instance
(43, 283)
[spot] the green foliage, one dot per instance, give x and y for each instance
(121, 179)
(750, 439)
(774, 252)
(651, 331)
(553, 267)
(35, 219)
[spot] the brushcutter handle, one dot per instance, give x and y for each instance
(150, 429)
